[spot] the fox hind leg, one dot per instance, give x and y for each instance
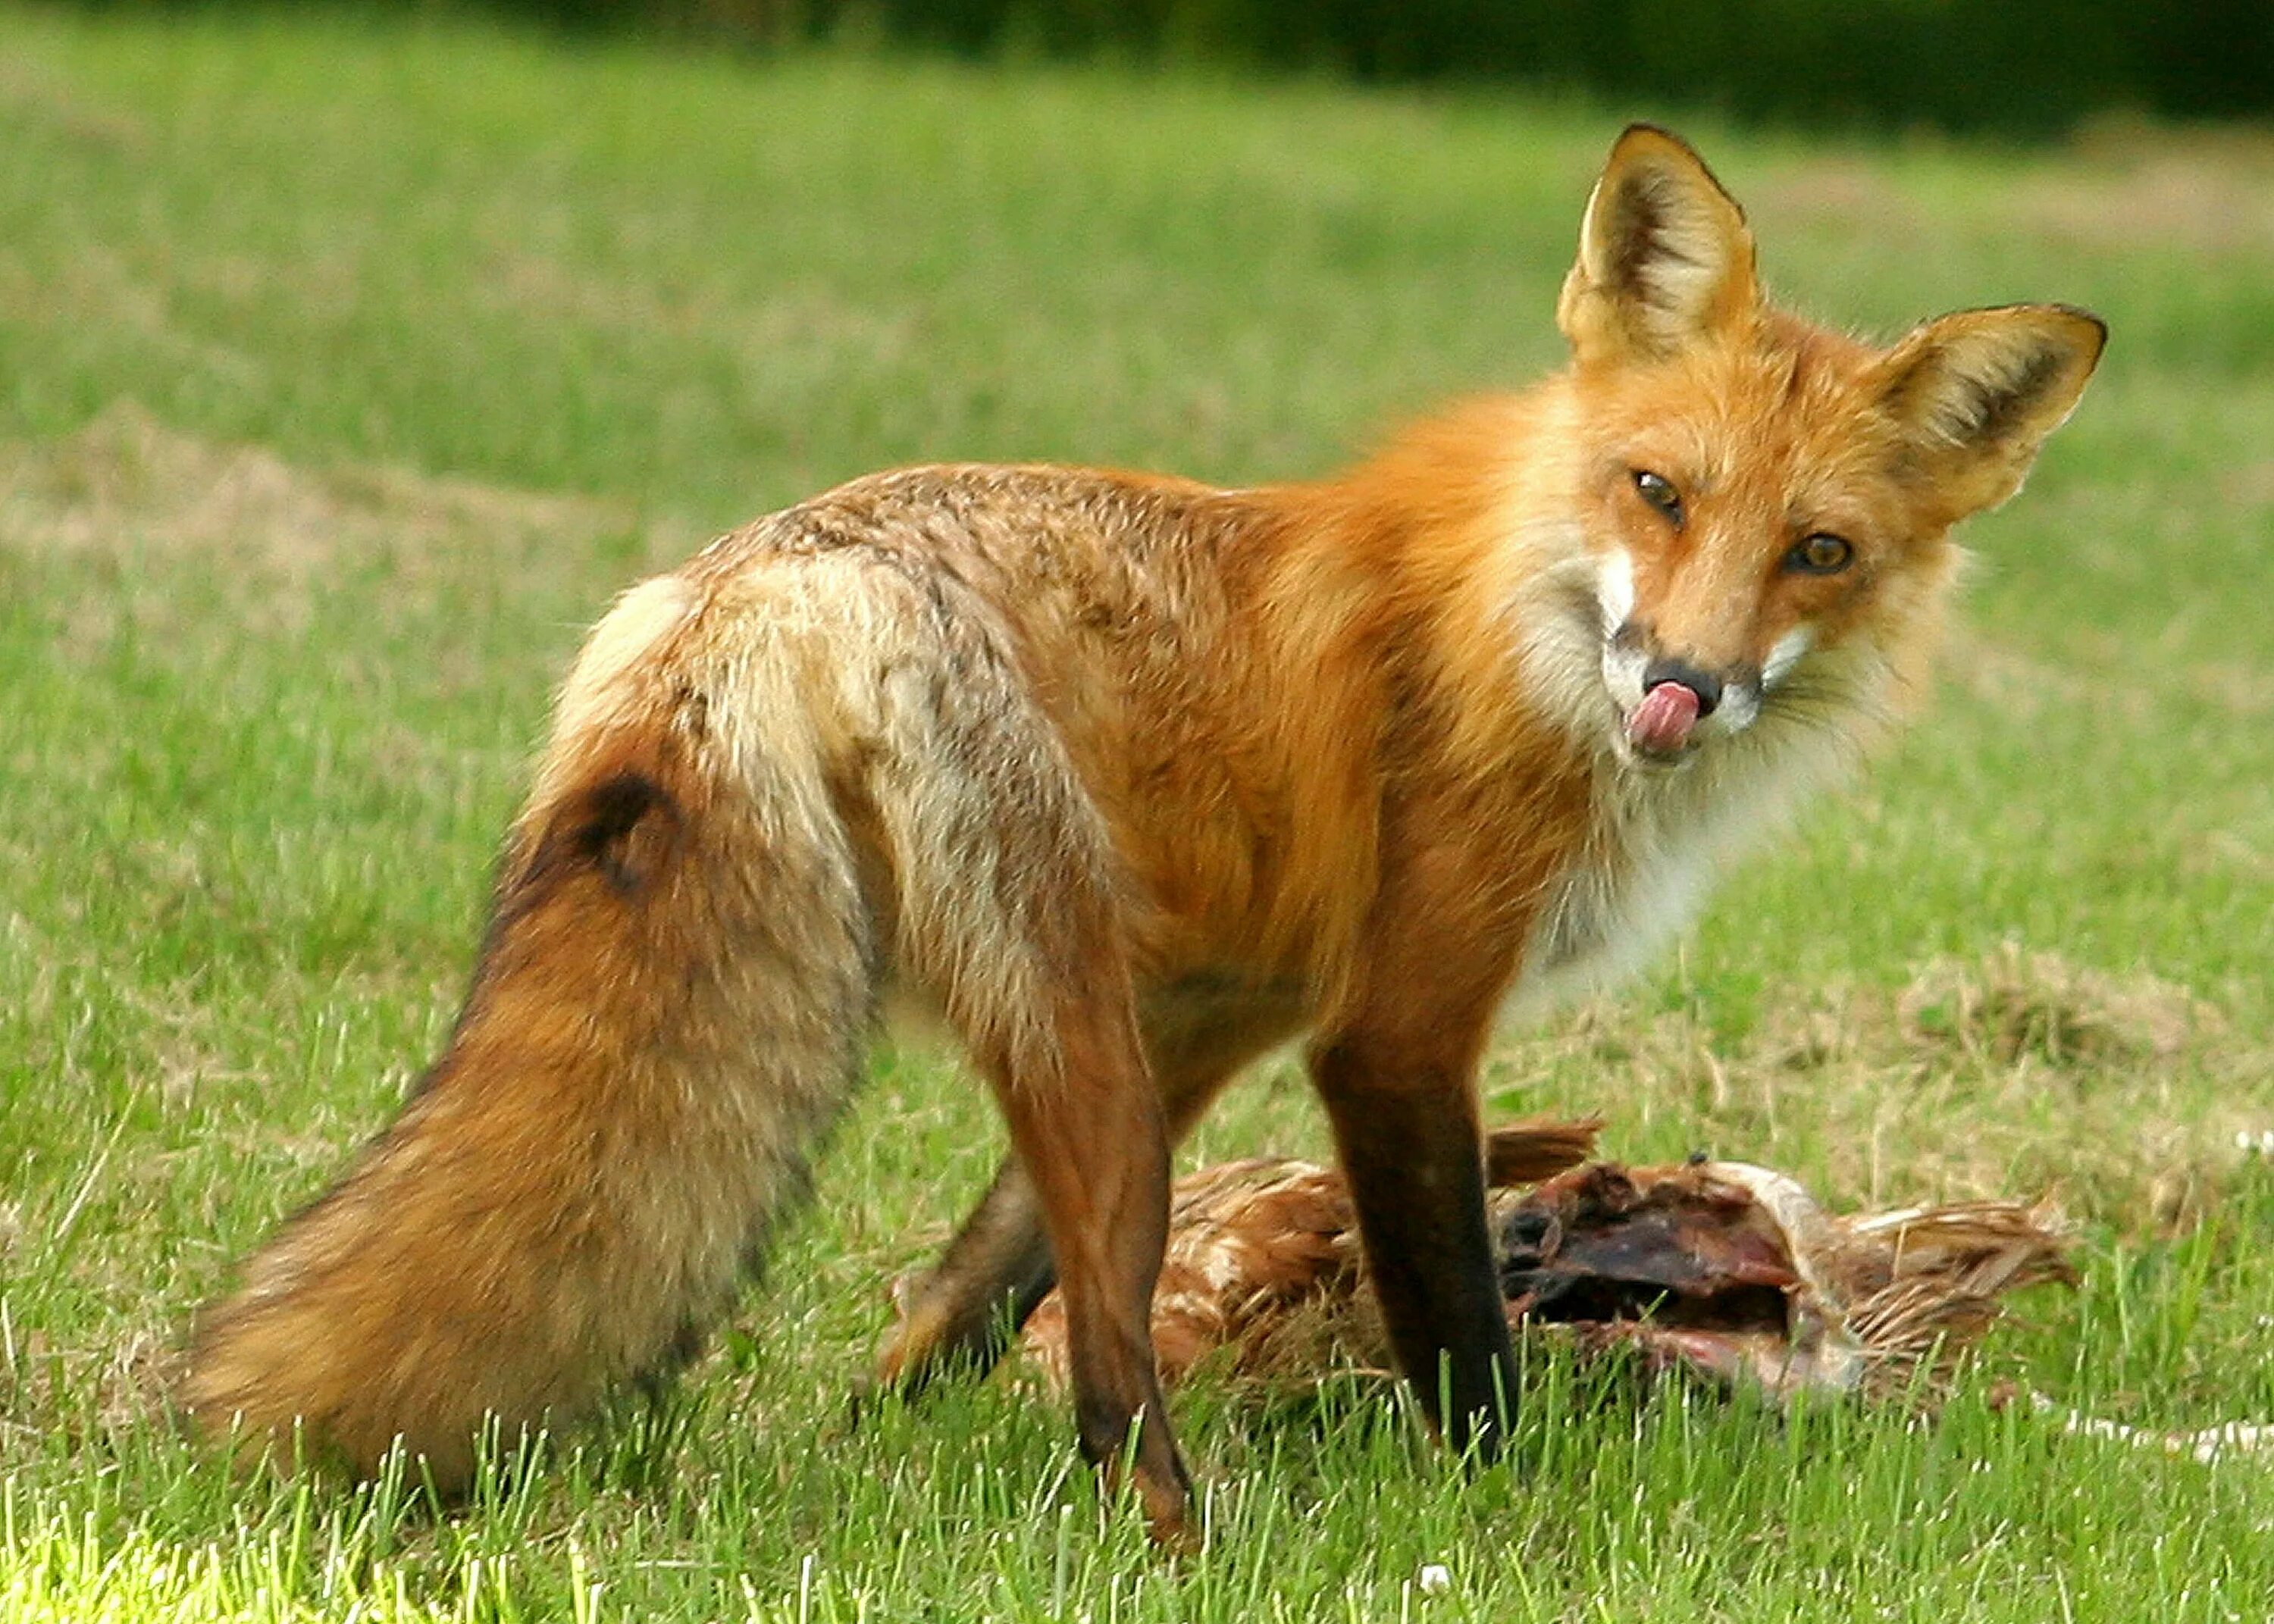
(966, 1309)
(965, 1313)
(1008, 909)
(1095, 1157)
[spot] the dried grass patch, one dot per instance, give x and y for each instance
(2017, 1073)
(2208, 189)
(42, 97)
(81, 1392)
(2015, 1007)
(133, 494)
(1839, 192)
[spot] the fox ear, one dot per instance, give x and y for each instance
(1976, 394)
(1664, 254)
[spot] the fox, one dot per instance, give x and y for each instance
(1133, 780)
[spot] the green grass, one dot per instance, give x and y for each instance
(345, 371)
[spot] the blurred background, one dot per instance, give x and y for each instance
(2002, 65)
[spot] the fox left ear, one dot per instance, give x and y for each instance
(1976, 394)
(1665, 255)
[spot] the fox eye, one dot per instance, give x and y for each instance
(1658, 491)
(1821, 554)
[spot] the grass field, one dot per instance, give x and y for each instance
(345, 373)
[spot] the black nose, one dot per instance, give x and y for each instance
(1704, 684)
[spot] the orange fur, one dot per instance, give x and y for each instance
(1135, 779)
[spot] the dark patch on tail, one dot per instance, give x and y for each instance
(626, 827)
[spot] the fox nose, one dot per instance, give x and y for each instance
(1706, 686)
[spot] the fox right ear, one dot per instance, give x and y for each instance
(1665, 255)
(1976, 394)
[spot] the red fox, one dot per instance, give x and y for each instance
(1136, 779)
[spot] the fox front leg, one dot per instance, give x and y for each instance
(1395, 1067)
(1405, 1128)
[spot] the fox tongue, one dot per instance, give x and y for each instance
(1662, 722)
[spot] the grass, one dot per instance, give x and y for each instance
(346, 371)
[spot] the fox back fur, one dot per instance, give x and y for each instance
(1136, 779)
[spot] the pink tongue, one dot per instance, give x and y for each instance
(1662, 722)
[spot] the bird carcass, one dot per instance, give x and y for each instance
(1718, 1268)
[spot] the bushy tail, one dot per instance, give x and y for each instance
(670, 1006)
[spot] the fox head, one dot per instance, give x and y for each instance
(1757, 493)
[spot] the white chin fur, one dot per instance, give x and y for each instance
(1787, 654)
(1615, 587)
(1622, 669)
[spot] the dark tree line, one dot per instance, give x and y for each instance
(2023, 67)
